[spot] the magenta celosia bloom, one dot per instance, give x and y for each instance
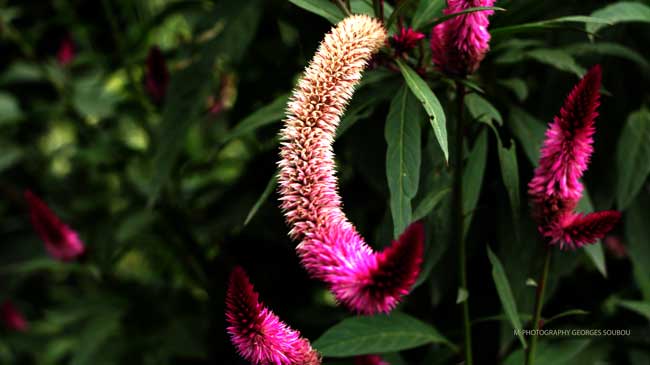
(370, 360)
(156, 75)
(331, 249)
(556, 188)
(12, 317)
(259, 335)
(61, 242)
(66, 53)
(405, 40)
(458, 45)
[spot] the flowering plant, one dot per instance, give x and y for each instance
(309, 182)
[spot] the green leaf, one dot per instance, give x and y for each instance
(607, 49)
(551, 353)
(431, 104)
(473, 178)
(547, 24)
(529, 131)
(403, 156)
(559, 59)
(461, 295)
(263, 198)
(642, 308)
(376, 335)
(637, 232)
(568, 313)
(9, 156)
(9, 109)
(620, 12)
(266, 115)
(510, 175)
(193, 83)
(595, 251)
(427, 10)
(517, 86)
(505, 295)
(482, 110)
(92, 99)
(429, 202)
(633, 157)
(324, 8)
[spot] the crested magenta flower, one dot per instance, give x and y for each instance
(12, 317)
(66, 53)
(370, 360)
(61, 242)
(555, 189)
(459, 44)
(330, 247)
(405, 40)
(258, 334)
(156, 75)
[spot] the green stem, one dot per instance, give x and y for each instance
(457, 235)
(378, 5)
(539, 303)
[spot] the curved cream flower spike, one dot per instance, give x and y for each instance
(331, 249)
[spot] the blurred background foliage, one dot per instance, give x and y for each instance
(170, 194)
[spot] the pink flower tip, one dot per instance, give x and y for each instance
(370, 360)
(459, 44)
(365, 281)
(66, 52)
(13, 318)
(575, 230)
(61, 242)
(156, 75)
(405, 40)
(258, 334)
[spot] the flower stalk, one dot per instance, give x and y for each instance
(457, 235)
(539, 303)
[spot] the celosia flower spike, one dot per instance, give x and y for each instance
(555, 189)
(405, 40)
(331, 249)
(61, 241)
(459, 44)
(568, 145)
(12, 318)
(259, 335)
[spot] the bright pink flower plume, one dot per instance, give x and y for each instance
(556, 189)
(259, 335)
(405, 40)
(459, 44)
(61, 242)
(156, 75)
(12, 317)
(331, 249)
